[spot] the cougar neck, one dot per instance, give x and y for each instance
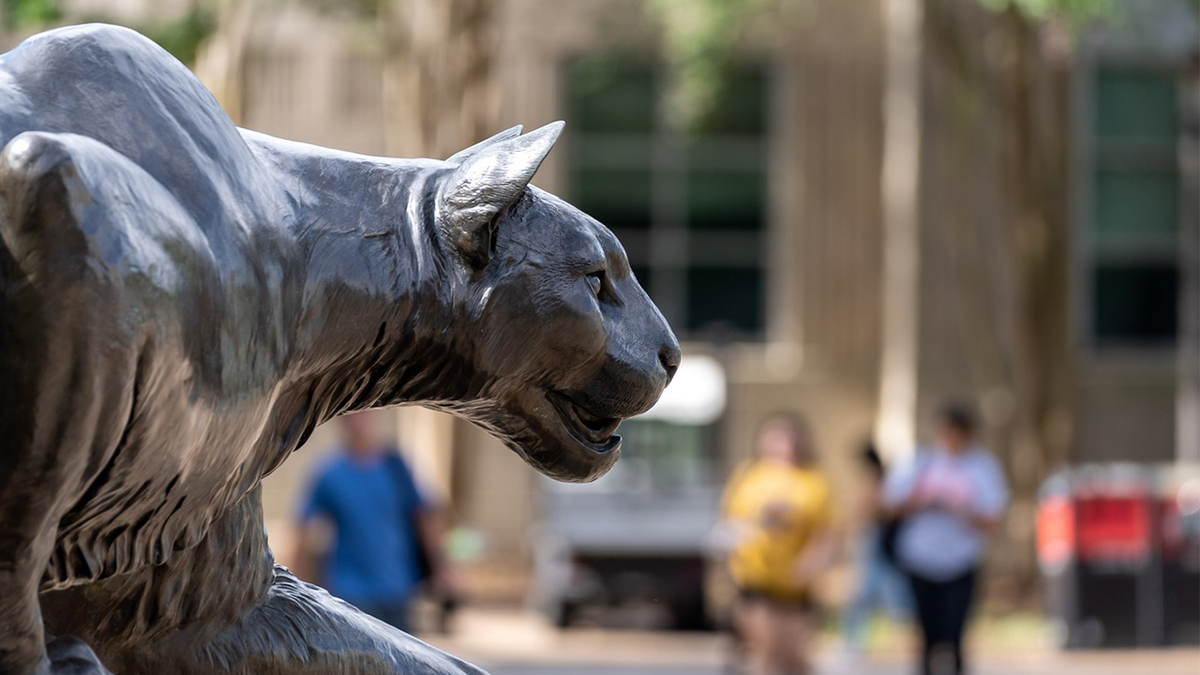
(377, 321)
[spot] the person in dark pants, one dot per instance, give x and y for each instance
(946, 498)
(942, 608)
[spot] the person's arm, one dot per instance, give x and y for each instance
(431, 528)
(305, 550)
(730, 529)
(984, 508)
(980, 521)
(916, 502)
(899, 497)
(871, 501)
(303, 553)
(816, 557)
(819, 553)
(970, 512)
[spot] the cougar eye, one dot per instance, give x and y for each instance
(596, 282)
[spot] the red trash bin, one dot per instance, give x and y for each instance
(1098, 553)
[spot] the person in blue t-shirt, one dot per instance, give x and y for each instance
(384, 531)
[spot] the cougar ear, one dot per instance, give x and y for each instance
(461, 155)
(484, 184)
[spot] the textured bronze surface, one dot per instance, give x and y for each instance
(182, 302)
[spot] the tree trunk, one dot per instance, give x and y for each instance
(1012, 260)
(439, 88)
(439, 81)
(220, 65)
(1036, 99)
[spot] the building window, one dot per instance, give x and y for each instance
(661, 457)
(691, 211)
(1134, 212)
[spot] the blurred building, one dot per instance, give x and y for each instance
(761, 235)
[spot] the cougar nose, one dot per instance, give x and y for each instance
(669, 356)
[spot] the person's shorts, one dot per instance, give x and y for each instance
(799, 603)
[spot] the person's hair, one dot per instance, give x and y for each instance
(795, 424)
(870, 459)
(960, 417)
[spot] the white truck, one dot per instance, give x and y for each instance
(631, 549)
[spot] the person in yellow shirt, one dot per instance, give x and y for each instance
(777, 508)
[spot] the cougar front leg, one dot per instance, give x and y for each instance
(59, 412)
(21, 638)
(38, 472)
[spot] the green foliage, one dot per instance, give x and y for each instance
(367, 9)
(23, 14)
(698, 38)
(183, 36)
(1075, 12)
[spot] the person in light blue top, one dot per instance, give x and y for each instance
(946, 500)
(386, 536)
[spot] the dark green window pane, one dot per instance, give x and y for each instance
(643, 276)
(724, 298)
(726, 200)
(1136, 303)
(1133, 103)
(712, 181)
(726, 249)
(741, 105)
(1135, 203)
(619, 198)
(610, 96)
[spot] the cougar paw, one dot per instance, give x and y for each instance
(71, 656)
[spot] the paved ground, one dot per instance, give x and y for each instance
(1145, 669)
(517, 643)
(594, 670)
(1151, 663)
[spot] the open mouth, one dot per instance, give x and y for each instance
(591, 430)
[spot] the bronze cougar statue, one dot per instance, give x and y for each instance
(182, 302)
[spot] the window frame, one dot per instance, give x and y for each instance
(668, 241)
(1086, 254)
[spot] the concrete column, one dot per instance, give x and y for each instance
(895, 427)
(1187, 400)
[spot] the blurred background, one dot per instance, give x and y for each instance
(855, 209)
